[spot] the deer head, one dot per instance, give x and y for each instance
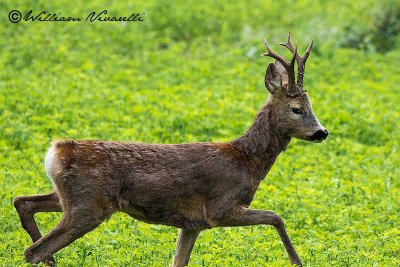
(294, 116)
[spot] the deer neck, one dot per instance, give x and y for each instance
(262, 142)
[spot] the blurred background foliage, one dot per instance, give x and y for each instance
(192, 71)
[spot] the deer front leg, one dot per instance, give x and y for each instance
(27, 206)
(184, 246)
(244, 216)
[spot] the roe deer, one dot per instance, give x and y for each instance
(193, 186)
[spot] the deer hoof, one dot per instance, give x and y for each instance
(29, 255)
(50, 261)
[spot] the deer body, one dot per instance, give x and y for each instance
(190, 186)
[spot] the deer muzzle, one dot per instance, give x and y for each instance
(319, 135)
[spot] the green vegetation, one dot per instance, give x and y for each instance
(191, 71)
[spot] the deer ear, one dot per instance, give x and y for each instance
(273, 80)
(282, 72)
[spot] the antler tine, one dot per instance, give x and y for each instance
(292, 49)
(288, 44)
(308, 51)
(272, 54)
(301, 64)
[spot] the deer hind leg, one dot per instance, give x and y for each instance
(78, 220)
(243, 217)
(184, 246)
(27, 206)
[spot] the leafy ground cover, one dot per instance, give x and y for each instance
(191, 71)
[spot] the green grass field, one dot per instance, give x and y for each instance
(192, 71)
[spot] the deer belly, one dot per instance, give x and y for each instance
(186, 214)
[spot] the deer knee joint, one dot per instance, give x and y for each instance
(21, 206)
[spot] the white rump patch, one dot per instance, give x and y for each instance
(49, 162)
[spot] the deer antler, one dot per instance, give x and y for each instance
(301, 61)
(289, 66)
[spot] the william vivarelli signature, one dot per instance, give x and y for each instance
(15, 16)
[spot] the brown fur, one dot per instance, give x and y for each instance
(191, 186)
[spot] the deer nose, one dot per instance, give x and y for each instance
(320, 135)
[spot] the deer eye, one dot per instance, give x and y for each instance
(297, 111)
